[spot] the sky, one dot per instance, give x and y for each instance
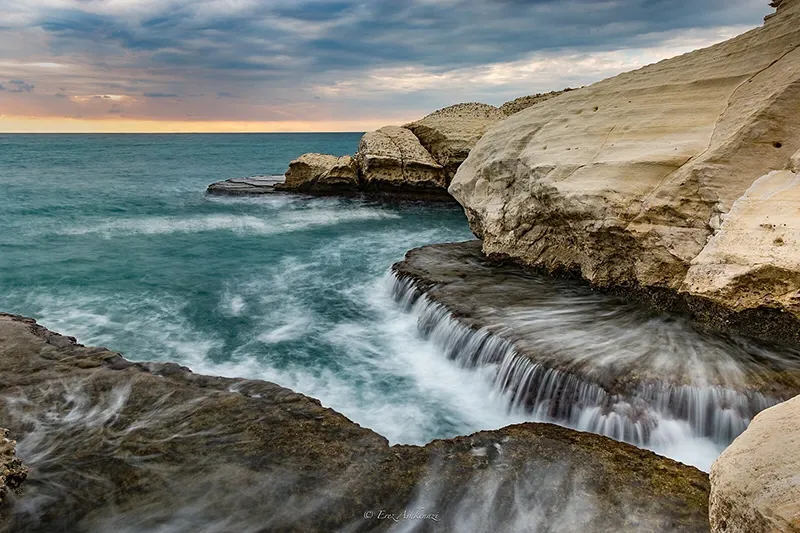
(322, 65)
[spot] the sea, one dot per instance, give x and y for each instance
(112, 239)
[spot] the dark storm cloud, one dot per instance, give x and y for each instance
(273, 59)
(284, 39)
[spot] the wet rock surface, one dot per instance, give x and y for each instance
(588, 359)
(246, 186)
(121, 446)
(12, 472)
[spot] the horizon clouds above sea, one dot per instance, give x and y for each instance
(322, 65)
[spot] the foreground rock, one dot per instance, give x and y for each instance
(586, 359)
(755, 484)
(121, 446)
(450, 133)
(12, 471)
(245, 186)
(625, 181)
(321, 173)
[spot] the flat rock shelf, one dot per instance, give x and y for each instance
(116, 445)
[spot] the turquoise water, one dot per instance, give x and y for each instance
(112, 239)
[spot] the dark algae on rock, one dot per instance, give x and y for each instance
(120, 446)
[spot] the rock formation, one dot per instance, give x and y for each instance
(625, 181)
(755, 483)
(118, 446)
(321, 173)
(12, 472)
(570, 354)
(524, 102)
(392, 157)
(450, 133)
(245, 186)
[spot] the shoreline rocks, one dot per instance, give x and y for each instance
(321, 173)
(392, 157)
(450, 133)
(12, 472)
(626, 181)
(755, 483)
(114, 445)
(586, 359)
(245, 186)
(413, 162)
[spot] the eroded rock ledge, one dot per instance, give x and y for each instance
(586, 358)
(114, 444)
(677, 176)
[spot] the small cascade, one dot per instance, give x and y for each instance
(646, 415)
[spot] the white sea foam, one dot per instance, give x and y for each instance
(292, 221)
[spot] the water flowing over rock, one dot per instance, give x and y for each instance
(121, 446)
(392, 157)
(572, 356)
(755, 484)
(450, 133)
(626, 180)
(321, 173)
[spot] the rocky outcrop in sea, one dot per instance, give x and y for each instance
(114, 445)
(417, 160)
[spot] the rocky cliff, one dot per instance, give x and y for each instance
(630, 180)
(121, 446)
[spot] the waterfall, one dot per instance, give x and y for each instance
(643, 416)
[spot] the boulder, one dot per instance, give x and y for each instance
(121, 446)
(755, 483)
(625, 181)
(524, 102)
(392, 158)
(12, 472)
(321, 173)
(450, 133)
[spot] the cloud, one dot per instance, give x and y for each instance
(274, 60)
(160, 95)
(18, 86)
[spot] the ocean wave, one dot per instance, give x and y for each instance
(293, 221)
